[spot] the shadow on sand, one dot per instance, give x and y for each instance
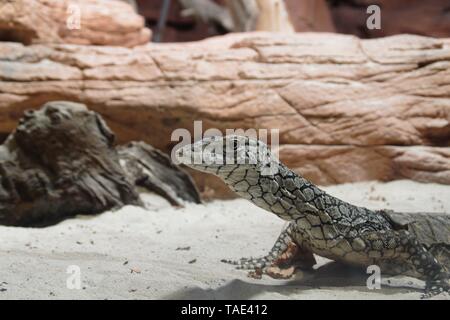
(330, 275)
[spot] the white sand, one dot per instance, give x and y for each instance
(106, 247)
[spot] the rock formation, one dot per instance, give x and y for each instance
(347, 109)
(98, 22)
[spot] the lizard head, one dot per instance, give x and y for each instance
(221, 155)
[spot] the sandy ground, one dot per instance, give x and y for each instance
(170, 253)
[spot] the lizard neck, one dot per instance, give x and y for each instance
(284, 193)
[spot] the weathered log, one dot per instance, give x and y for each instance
(61, 161)
(152, 169)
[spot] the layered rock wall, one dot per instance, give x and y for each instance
(347, 109)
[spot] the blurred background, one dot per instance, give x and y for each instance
(188, 20)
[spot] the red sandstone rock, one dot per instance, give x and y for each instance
(347, 109)
(102, 22)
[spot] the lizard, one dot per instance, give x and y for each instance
(317, 222)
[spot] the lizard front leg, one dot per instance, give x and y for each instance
(282, 260)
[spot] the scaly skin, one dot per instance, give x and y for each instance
(318, 222)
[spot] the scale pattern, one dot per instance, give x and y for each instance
(326, 225)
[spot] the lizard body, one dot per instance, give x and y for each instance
(317, 222)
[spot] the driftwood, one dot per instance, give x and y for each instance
(153, 170)
(60, 161)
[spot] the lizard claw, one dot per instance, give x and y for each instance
(438, 289)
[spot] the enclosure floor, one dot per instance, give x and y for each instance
(132, 253)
